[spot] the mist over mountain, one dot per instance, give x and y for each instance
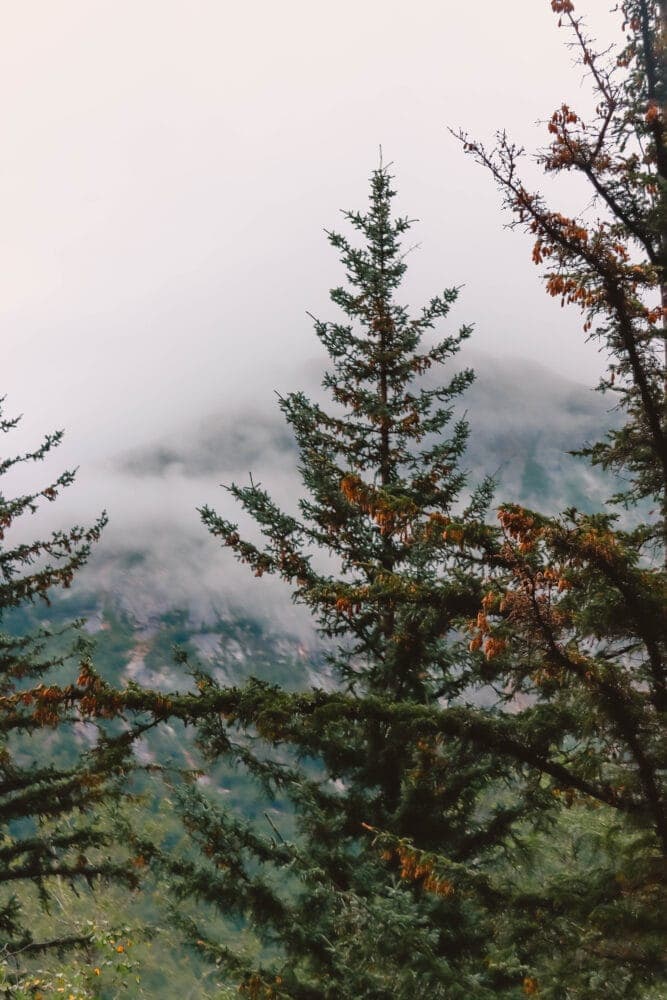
(524, 422)
(156, 557)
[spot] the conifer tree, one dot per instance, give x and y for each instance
(49, 788)
(577, 611)
(382, 472)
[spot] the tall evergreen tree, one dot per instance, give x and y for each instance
(384, 483)
(49, 788)
(578, 609)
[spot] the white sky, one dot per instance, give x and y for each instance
(168, 167)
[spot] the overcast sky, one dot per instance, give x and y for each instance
(168, 167)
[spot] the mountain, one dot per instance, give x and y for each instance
(158, 580)
(156, 558)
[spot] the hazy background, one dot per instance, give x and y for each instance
(168, 167)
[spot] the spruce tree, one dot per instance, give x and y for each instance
(577, 610)
(384, 483)
(50, 789)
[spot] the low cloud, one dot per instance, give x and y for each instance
(156, 555)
